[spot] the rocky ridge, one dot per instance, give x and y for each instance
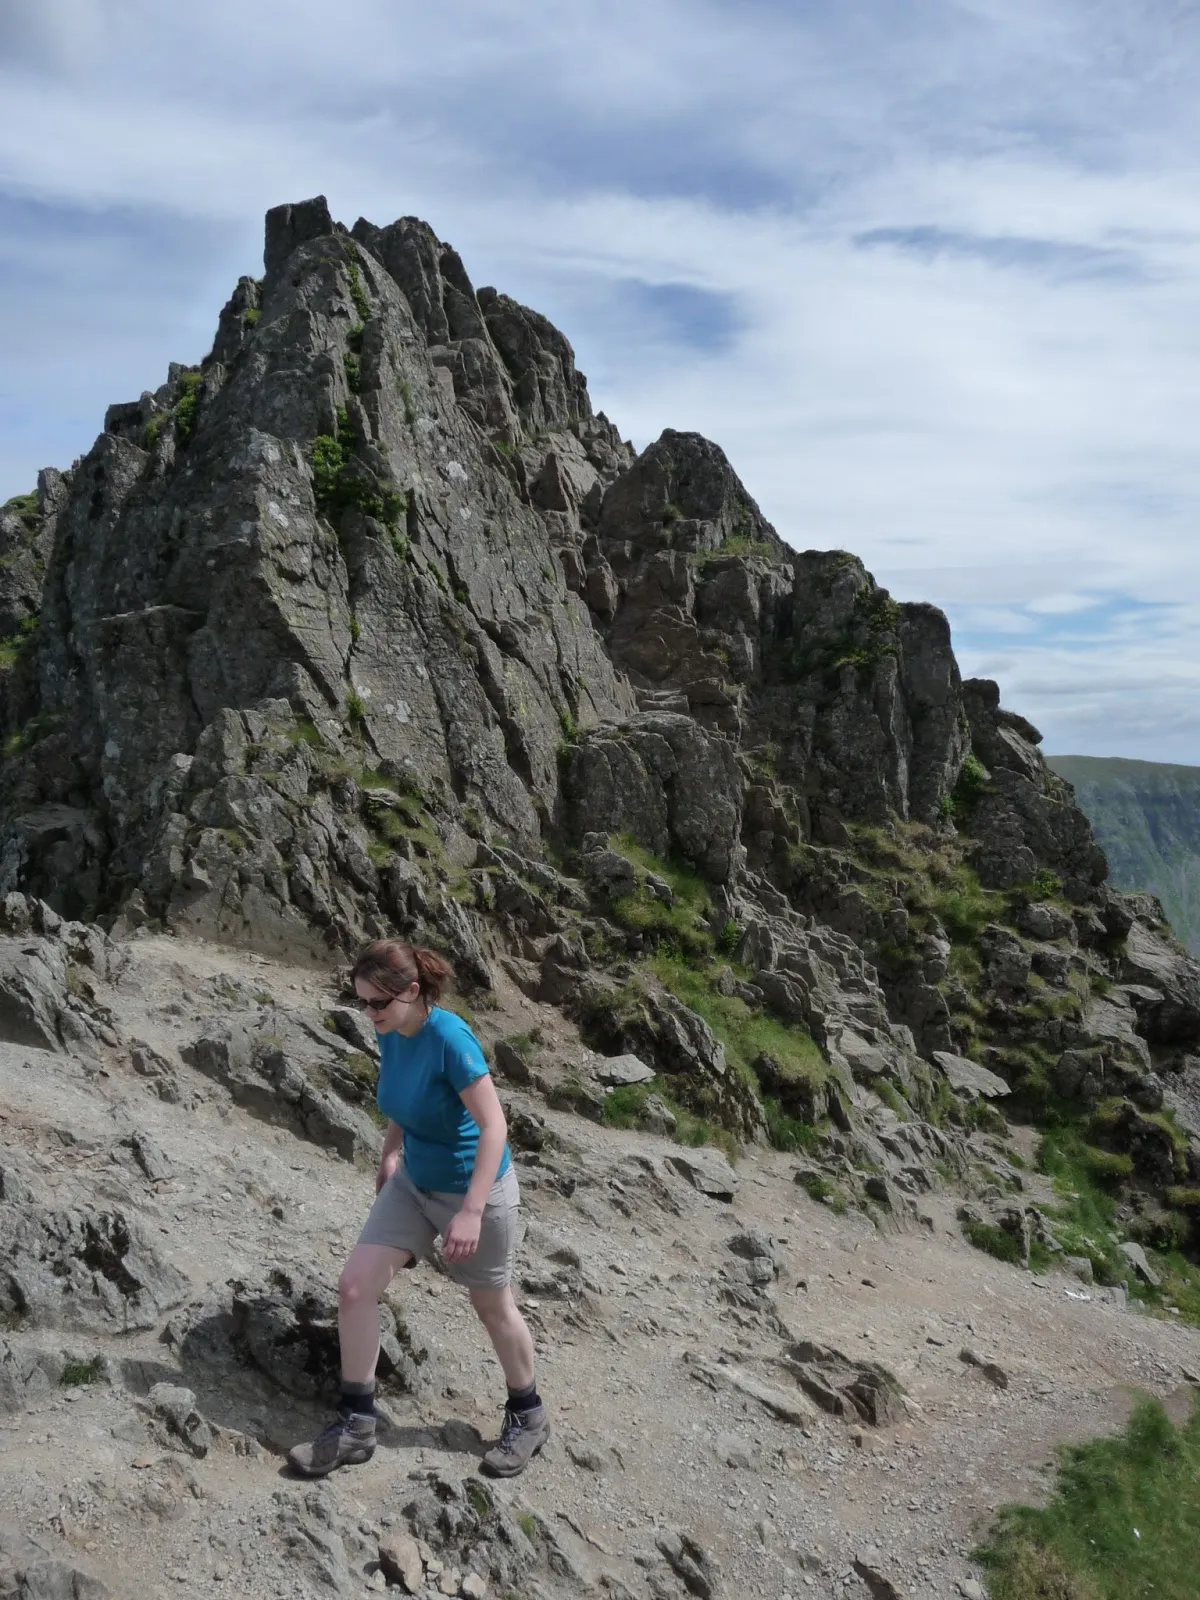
(370, 623)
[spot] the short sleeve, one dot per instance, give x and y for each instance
(465, 1061)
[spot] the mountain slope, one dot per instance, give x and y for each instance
(1146, 815)
(371, 623)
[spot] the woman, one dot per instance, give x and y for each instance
(445, 1170)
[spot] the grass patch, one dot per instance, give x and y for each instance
(623, 1108)
(964, 907)
(787, 1132)
(995, 1241)
(823, 1190)
(357, 293)
(187, 406)
(341, 481)
(746, 1034)
(14, 647)
(305, 732)
(970, 787)
(681, 926)
(1123, 1524)
(24, 506)
(1084, 1221)
(76, 1373)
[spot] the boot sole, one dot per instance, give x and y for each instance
(357, 1460)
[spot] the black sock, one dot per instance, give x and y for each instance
(358, 1397)
(524, 1399)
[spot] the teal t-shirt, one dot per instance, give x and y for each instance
(420, 1080)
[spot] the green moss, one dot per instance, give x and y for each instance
(250, 317)
(356, 711)
(355, 628)
(1107, 1168)
(381, 854)
(681, 926)
(823, 1190)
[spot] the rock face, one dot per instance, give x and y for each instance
(370, 622)
(91, 1270)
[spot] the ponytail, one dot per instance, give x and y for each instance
(393, 966)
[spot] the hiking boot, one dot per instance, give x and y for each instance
(522, 1436)
(347, 1441)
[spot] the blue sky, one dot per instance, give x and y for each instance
(928, 269)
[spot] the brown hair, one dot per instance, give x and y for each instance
(392, 965)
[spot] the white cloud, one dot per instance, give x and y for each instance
(992, 400)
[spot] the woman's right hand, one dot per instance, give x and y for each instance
(387, 1168)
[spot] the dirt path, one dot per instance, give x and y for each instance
(639, 1351)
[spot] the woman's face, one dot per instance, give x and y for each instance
(391, 1013)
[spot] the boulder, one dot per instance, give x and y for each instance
(92, 1270)
(286, 1327)
(33, 992)
(618, 1072)
(27, 1376)
(1164, 967)
(969, 1078)
(662, 779)
(29, 1572)
(707, 1170)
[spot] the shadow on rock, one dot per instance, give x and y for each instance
(251, 1355)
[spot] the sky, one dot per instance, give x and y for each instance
(929, 270)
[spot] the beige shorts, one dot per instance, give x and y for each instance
(407, 1218)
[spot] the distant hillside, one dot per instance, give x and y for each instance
(1147, 818)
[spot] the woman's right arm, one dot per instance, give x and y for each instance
(393, 1145)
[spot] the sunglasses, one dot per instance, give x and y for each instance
(382, 1005)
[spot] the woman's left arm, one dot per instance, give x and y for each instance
(483, 1103)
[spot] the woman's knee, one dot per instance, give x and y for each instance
(494, 1307)
(355, 1288)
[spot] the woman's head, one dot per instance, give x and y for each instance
(397, 983)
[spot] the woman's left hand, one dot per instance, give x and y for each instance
(462, 1236)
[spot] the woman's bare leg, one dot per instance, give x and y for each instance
(366, 1275)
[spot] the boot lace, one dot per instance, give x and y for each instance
(512, 1429)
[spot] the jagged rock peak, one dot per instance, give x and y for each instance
(375, 585)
